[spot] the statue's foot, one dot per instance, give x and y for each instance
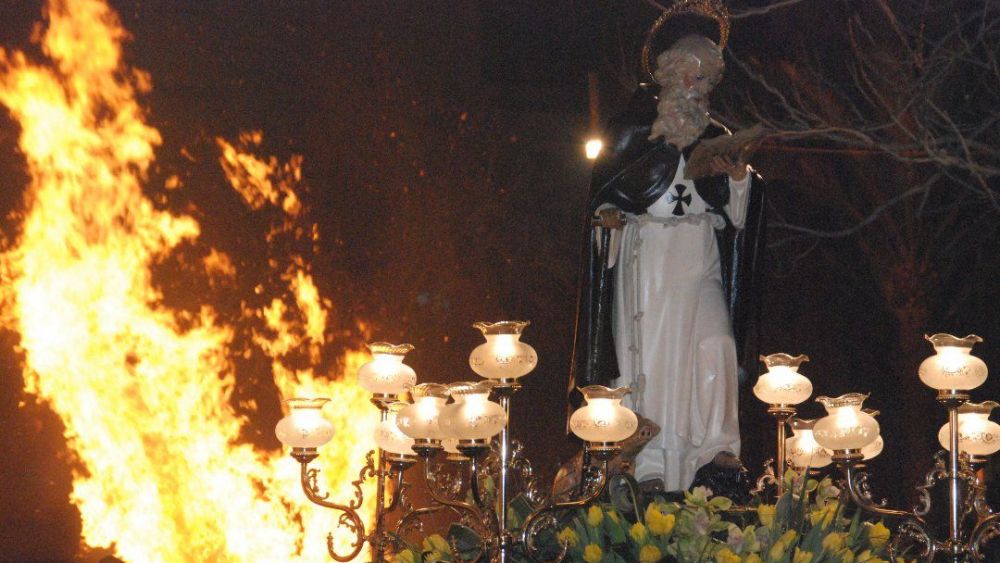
(651, 486)
(727, 460)
(726, 476)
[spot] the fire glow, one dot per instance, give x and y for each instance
(144, 390)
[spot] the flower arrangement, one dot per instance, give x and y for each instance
(808, 524)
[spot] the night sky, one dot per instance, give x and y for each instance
(443, 165)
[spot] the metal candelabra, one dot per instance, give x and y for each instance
(473, 432)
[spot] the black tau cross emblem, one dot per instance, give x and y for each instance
(680, 200)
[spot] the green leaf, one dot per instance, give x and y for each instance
(720, 503)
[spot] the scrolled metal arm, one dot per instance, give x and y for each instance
(984, 531)
(538, 516)
(456, 504)
(857, 489)
(349, 517)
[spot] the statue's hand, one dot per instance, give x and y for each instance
(609, 218)
(732, 167)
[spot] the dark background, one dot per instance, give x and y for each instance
(443, 163)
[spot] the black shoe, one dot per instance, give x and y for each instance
(726, 476)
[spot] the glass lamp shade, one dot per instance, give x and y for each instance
(503, 356)
(953, 367)
(473, 416)
(782, 384)
(977, 434)
(389, 437)
(802, 448)
(305, 426)
(386, 374)
(872, 450)
(603, 419)
(845, 427)
(420, 420)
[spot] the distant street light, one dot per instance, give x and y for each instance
(593, 148)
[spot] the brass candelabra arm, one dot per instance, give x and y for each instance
(936, 473)
(367, 472)
(349, 517)
(908, 533)
(856, 483)
(767, 477)
(985, 530)
(475, 468)
(459, 505)
(543, 516)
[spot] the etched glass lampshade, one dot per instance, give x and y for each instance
(503, 356)
(845, 427)
(386, 374)
(802, 448)
(953, 367)
(389, 437)
(473, 417)
(603, 419)
(874, 448)
(783, 384)
(977, 434)
(305, 426)
(421, 420)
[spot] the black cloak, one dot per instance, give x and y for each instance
(631, 174)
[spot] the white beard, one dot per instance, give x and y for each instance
(681, 119)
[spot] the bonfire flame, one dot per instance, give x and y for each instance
(144, 390)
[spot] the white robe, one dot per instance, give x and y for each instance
(673, 336)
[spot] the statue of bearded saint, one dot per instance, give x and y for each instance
(666, 264)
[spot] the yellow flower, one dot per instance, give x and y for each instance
(592, 553)
(594, 516)
(766, 513)
(878, 535)
(613, 515)
(752, 558)
(788, 537)
(661, 524)
(802, 556)
(568, 536)
(867, 557)
(726, 555)
(846, 556)
(638, 532)
(777, 551)
(649, 554)
(834, 541)
(825, 515)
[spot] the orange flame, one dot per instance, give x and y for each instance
(144, 390)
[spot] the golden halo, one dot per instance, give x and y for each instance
(713, 9)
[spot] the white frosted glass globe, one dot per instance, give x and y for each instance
(472, 416)
(388, 435)
(503, 356)
(953, 367)
(603, 418)
(421, 420)
(977, 434)
(846, 427)
(872, 450)
(386, 374)
(305, 426)
(802, 449)
(782, 384)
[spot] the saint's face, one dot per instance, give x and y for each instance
(698, 78)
